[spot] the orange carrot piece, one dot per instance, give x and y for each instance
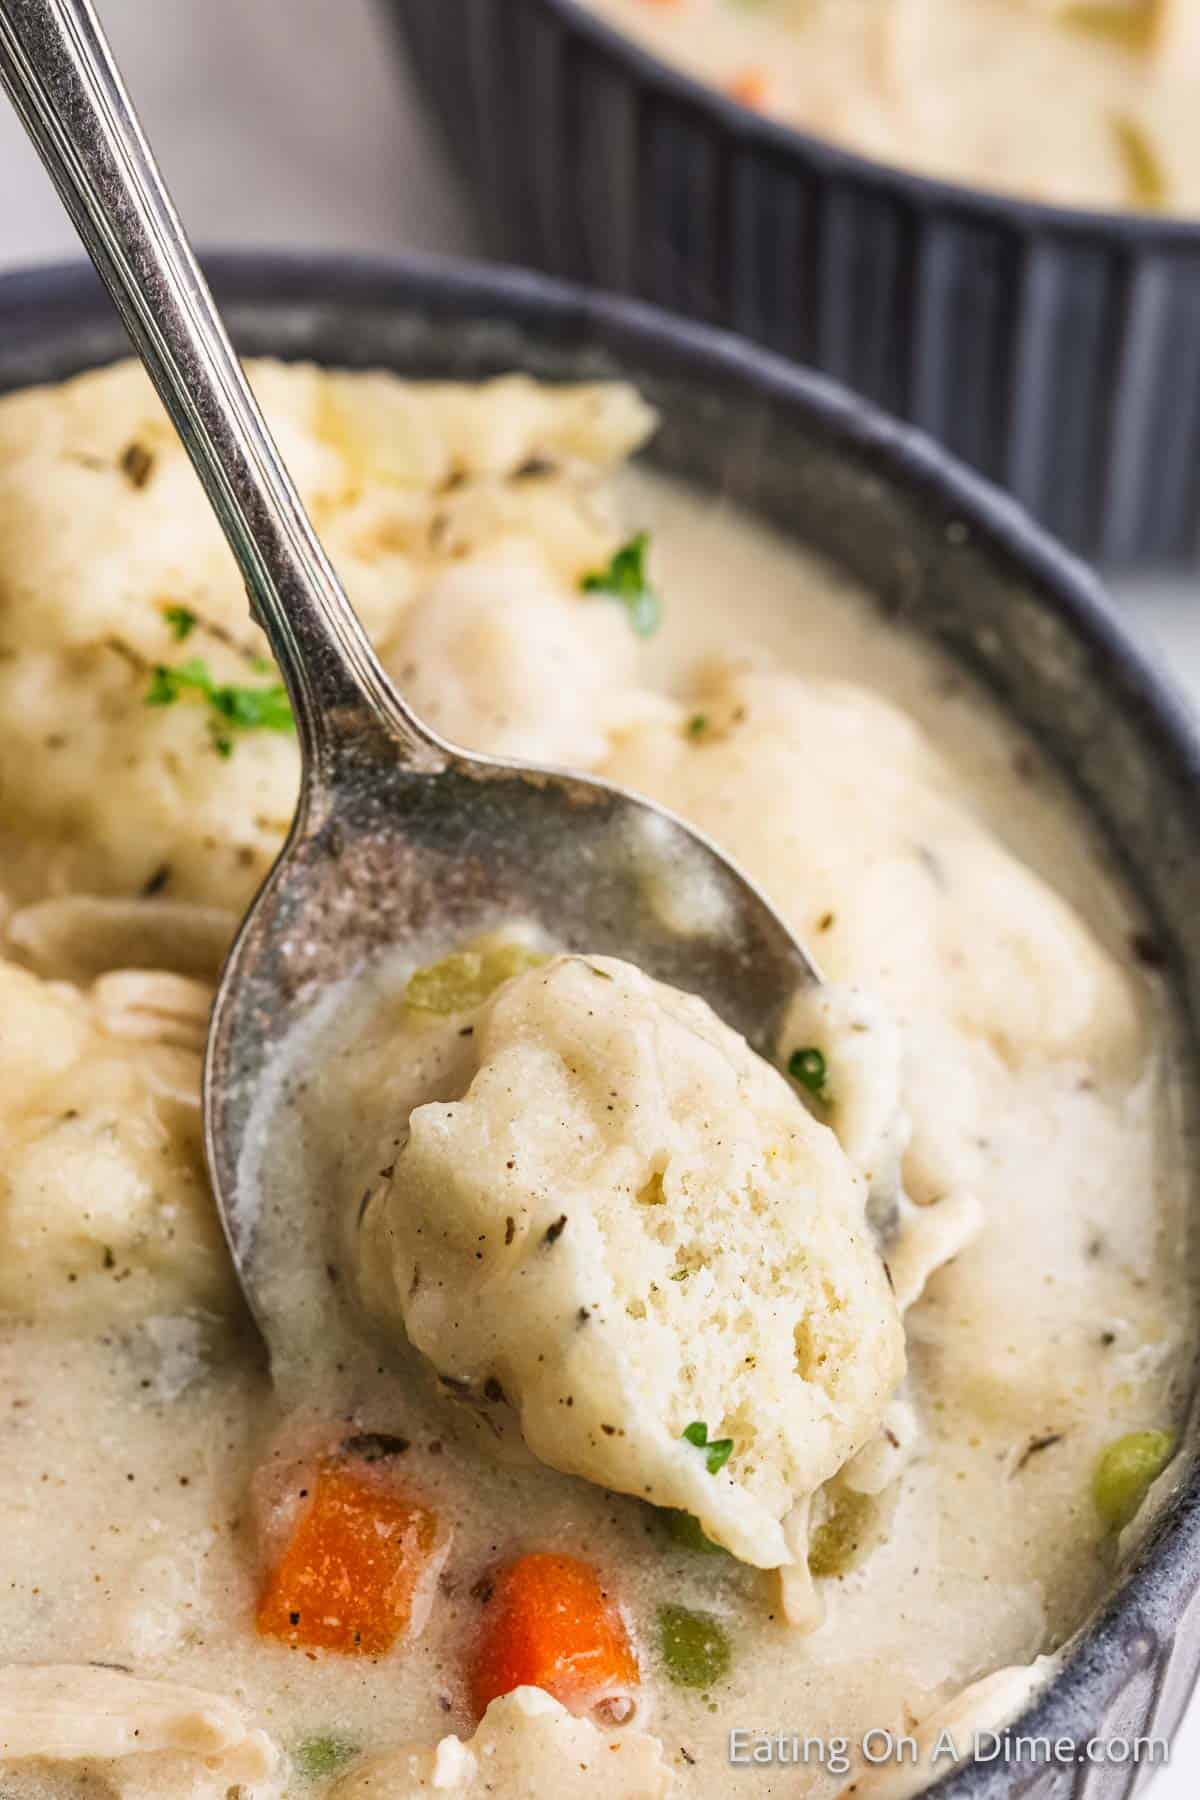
(550, 1624)
(750, 87)
(350, 1571)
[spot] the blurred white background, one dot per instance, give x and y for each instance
(293, 122)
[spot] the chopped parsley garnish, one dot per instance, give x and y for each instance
(231, 708)
(809, 1068)
(719, 1449)
(182, 621)
(697, 725)
(627, 579)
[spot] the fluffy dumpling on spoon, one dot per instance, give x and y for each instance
(630, 1228)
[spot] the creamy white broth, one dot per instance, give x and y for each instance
(1083, 105)
(1066, 1318)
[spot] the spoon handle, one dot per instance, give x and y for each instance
(60, 74)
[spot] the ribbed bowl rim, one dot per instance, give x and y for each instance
(925, 192)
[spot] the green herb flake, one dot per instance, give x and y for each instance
(809, 1068)
(231, 708)
(163, 689)
(719, 1450)
(1143, 167)
(694, 1647)
(627, 579)
(688, 1533)
(1125, 1471)
(182, 621)
(697, 725)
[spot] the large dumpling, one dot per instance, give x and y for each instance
(631, 1228)
(472, 507)
(862, 837)
(840, 806)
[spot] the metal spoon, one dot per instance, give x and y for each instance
(398, 836)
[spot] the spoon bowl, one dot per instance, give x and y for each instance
(393, 855)
(400, 840)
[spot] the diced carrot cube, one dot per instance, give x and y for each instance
(750, 87)
(352, 1567)
(550, 1624)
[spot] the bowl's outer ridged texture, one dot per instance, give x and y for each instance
(953, 557)
(1058, 352)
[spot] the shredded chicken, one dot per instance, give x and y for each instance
(80, 1712)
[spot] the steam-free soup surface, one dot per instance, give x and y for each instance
(994, 1112)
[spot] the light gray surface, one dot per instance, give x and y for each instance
(290, 122)
(276, 121)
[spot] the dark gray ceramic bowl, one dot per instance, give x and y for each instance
(946, 555)
(1056, 350)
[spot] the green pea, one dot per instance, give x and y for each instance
(694, 1646)
(468, 977)
(834, 1545)
(1126, 1469)
(318, 1757)
(688, 1532)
